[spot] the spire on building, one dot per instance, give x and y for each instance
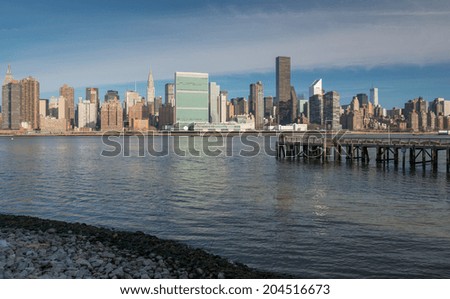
(9, 77)
(150, 89)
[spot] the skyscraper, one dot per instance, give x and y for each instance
(268, 106)
(10, 102)
(112, 115)
(363, 99)
(150, 93)
(316, 104)
(112, 95)
(332, 110)
(191, 98)
(29, 102)
(68, 93)
(92, 94)
(169, 94)
(287, 107)
(374, 96)
(257, 96)
(214, 108)
(223, 106)
(316, 88)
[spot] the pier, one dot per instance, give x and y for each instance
(422, 150)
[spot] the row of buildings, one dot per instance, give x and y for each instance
(192, 102)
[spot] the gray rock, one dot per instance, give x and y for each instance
(51, 231)
(83, 262)
(199, 271)
(221, 275)
(145, 276)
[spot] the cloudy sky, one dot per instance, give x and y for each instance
(402, 47)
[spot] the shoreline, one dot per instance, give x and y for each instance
(32, 247)
(6, 133)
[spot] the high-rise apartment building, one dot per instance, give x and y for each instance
(87, 115)
(150, 93)
(169, 94)
(43, 107)
(92, 94)
(223, 116)
(10, 102)
(68, 93)
(112, 95)
(191, 98)
(332, 110)
(316, 88)
(287, 107)
(363, 99)
(374, 96)
(29, 102)
(268, 106)
(157, 105)
(316, 104)
(112, 115)
(214, 107)
(257, 96)
(131, 98)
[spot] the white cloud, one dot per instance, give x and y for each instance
(235, 41)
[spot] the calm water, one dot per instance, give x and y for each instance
(302, 218)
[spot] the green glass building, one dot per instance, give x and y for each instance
(191, 98)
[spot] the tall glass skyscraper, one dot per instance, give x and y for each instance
(191, 98)
(287, 106)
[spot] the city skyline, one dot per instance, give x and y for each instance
(354, 45)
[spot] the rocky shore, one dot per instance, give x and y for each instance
(37, 248)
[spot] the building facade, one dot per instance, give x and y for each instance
(87, 115)
(191, 98)
(287, 107)
(68, 93)
(29, 102)
(169, 94)
(257, 96)
(214, 108)
(112, 116)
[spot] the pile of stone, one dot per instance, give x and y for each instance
(37, 248)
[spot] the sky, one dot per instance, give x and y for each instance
(401, 47)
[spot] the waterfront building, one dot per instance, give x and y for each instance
(87, 115)
(332, 110)
(257, 96)
(287, 106)
(169, 94)
(68, 93)
(213, 105)
(157, 105)
(112, 115)
(150, 100)
(191, 98)
(374, 96)
(29, 103)
(10, 102)
(63, 112)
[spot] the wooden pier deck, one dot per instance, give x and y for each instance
(421, 150)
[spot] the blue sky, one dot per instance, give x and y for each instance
(401, 47)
